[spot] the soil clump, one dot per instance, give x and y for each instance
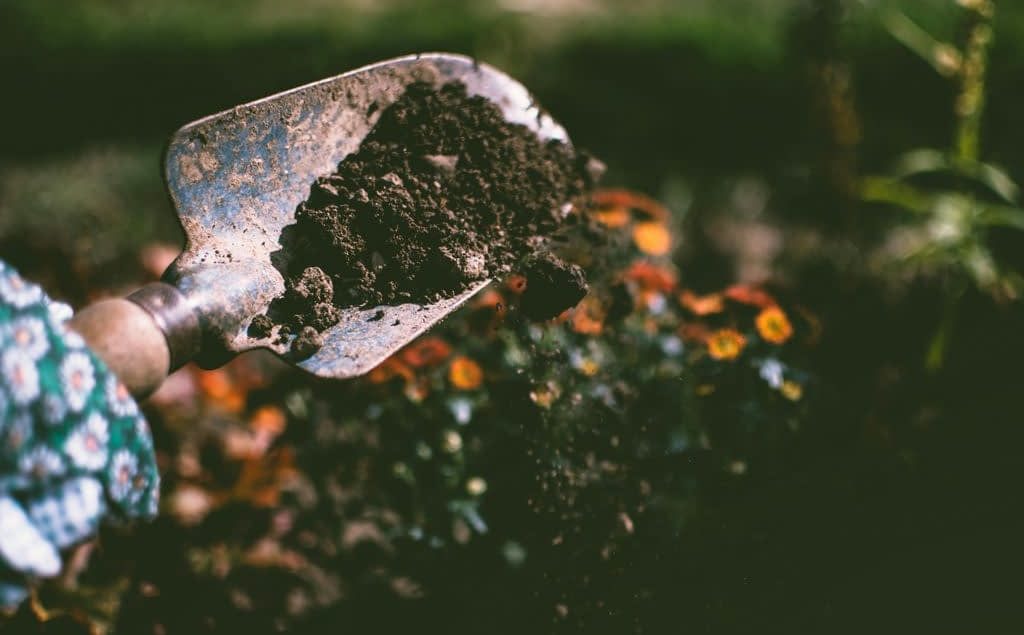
(443, 192)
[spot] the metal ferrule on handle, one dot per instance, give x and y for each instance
(174, 317)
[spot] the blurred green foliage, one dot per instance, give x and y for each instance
(957, 198)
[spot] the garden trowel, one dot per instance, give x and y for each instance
(235, 179)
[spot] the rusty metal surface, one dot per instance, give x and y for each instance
(236, 178)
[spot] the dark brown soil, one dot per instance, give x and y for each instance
(307, 342)
(552, 286)
(260, 326)
(443, 192)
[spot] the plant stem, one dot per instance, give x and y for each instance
(937, 348)
(970, 101)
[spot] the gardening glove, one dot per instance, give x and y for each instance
(74, 448)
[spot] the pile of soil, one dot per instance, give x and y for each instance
(443, 192)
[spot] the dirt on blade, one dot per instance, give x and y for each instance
(443, 192)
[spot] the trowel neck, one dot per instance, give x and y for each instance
(175, 317)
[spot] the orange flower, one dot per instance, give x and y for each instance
(426, 351)
(516, 283)
(650, 276)
(610, 197)
(260, 479)
(268, 420)
(747, 294)
(215, 384)
(645, 205)
(613, 217)
(220, 388)
(702, 304)
(725, 344)
(389, 369)
(773, 325)
(489, 309)
(652, 238)
(465, 374)
(587, 318)
(489, 299)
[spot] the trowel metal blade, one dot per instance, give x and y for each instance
(237, 177)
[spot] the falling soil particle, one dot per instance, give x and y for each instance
(552, 286)
(308, 342)
(443, 192)
(260, 326)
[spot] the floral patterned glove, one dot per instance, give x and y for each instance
(74, 448)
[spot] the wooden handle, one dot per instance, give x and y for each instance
(128, 340)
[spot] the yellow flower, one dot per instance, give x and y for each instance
(791, 390)
(465, 374)
(725, 344)
(773, 325)
(652, 238)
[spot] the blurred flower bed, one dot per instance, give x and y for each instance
(533, 454)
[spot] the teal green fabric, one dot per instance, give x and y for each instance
(74, 447)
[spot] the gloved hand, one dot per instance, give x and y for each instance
(74, 449)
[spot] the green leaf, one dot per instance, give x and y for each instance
(927, 160)
(921, 161)
(881, 189)
(943, 57)
(1000, 216)
(998, 181)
